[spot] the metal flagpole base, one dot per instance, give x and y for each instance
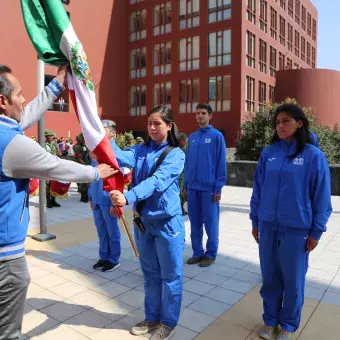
(43, 237)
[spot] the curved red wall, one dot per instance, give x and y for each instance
(316, 88)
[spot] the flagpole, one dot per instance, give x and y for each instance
(43, 235)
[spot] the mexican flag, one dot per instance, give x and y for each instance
(56, 43)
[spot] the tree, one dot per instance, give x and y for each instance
(255, 134)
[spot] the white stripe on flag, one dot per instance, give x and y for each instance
(91, 125)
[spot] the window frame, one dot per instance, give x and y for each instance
(219, 10)
(263, 50)
(220, 104)
(140, 20)
(251, 57)
(165, 20)
(250, 94)
(191, 62)
(139, 69)
(190, 18)
(163, 95)
(140, 97)
(164, 58)
(190, 96)
(220, 58)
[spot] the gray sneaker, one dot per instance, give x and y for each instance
(163, 332)
(285, 335)
(267, 332)
(144, 327)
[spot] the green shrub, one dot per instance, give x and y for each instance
(255, 134)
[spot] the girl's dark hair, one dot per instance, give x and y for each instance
(302, 134)
(167, 117)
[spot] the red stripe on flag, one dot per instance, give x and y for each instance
(105, 154)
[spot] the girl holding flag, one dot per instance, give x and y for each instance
(159, 228)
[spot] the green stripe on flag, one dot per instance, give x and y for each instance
(46, 21)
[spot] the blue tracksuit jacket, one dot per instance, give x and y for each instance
(205, 173)
(205, 164)
(160, 247)
(291, 200)
(295, 194)
(14, 200)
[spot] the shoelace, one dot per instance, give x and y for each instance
(162, 330)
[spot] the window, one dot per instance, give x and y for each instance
(135, 1)
(308, 53)
(189, 95)
(297, 43)
(283, 4)
(262, 95)
(250, 94)
(289, 64)
(314, 30)
(220, 48)
(251, 11)
(296, 66)
(313, 57)
(272, 68)
(162, 94)
(303, 49)
(138, 25)
(272, 94)
(250, 49)
(61, 103)
(281, 61)
(263, 15)
(219, 10)
(189, 15)
(138, 63)
(162, 58)
(297, 11)
(189, 54)
(162, 18)
(282, 31)
(290, 38)
(309, 24)
(219, 93)
(273, 23)
(138, 100)
(303, 18)
(263, 56)
(291, 8)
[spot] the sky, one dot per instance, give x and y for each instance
(328, 33)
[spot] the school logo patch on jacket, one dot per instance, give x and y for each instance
(298, 161)
(208, 140)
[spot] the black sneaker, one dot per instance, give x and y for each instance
(109, 266)
(55, 204)
(163, 332)
(99, 265)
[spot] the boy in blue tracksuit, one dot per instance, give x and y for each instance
(159, 228)
(205, 174)
(104, 215)
(290, 207)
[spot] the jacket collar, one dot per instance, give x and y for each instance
(288, 147)
(10, 123)
(207, 128)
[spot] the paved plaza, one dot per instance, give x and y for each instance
(68, 300)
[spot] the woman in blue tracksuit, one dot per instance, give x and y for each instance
(290, 207)
(161, 245)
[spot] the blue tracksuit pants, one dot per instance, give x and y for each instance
(160, 249)
(108, 233)
(284, 264)
(202, 210)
